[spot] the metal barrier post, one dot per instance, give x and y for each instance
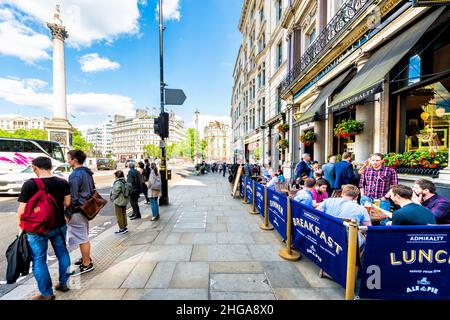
(266, 225)
(253, 209)
(245, 201)
(351, 260)
(288, 253)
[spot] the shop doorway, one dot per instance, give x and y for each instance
(341, 145)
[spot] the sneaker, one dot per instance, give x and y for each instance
(122, 231)
(135, 217)
(84, 269)
(45, 298)
(80, 261)
(63, 288)
(155, 218)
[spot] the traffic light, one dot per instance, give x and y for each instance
(161, 125)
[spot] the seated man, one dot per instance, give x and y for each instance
(410, 213)
(346, 207)
(425, 194)
(305, 196)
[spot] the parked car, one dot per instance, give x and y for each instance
(130, 161)
(11, 183)
(106, 164)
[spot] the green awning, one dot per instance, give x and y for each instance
(368, 80)
(314, 109)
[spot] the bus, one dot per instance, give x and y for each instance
(16, 154)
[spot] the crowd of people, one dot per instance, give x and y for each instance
(213, 167)
(338, 189)
(65, 224)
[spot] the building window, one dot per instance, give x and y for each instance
(279, 8)
(261, 14)
(414, 69)
(279, 54)
(310, 37)
(278, 105)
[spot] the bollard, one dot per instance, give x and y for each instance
(253, 209)
(245, 201)
(288, 253)
(266, 225)
(351, 260)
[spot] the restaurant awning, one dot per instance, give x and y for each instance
(369, 79)
(315, 107)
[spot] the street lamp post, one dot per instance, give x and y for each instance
(164, 199)
(196, 138)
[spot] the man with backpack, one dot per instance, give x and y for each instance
(41, 216)
(120, 194)
(81, 189)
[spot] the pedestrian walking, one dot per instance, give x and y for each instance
(35, 194)
(120, 195)
(154, 184)
(328, 173)
(81, 189)
(343, 171)
(135, 179)
(141, 169)
(224, 168)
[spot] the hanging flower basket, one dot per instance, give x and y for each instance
(348, 128)
(308, 138)
(283, 127)
(283, 144)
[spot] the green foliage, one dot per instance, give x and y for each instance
(427, 160)
(257, 153)
(283, 144)
(348, 127)
(153, 151)
(78, 142)
(37, 134)
(309, 137)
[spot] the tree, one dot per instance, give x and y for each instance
(37, 134)
(152, 150)
(78, 142)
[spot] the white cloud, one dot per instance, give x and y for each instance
(86, 21)
(28, 92)
(16, 39)
(93, 62)
(171, 10)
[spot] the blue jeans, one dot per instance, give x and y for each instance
(155, 206)
(39, 244)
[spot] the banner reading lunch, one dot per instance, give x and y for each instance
(322, 238)
(403, 262)
(259, 200)
(249, 184)
(277, 210)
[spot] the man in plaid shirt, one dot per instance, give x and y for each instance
(376, 180)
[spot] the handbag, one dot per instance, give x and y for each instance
(92, 206)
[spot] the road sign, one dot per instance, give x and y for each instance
(174, 97)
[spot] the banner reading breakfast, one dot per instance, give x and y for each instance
(322, 238)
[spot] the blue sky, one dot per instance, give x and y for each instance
(117, 41)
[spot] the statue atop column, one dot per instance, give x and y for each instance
(58, 30)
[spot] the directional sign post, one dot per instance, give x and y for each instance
(174, 97)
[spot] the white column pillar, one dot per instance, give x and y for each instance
(319, 145)
(59, 80)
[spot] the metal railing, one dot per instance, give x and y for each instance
(346, 15)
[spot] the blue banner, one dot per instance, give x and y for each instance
(322, 238)
(406, 262)
(259, 200)
(277, 210)
(242, 186)
(249, 185)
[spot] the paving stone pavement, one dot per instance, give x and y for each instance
(205, 246)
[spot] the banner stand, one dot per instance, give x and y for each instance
(351, 260)
(265, 226)
(245, 201)
(288, 253)
(253, 209)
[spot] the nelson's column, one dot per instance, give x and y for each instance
(59, 129)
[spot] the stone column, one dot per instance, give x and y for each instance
(59, 34)
(319, 145)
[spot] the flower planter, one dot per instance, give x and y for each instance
(418, 171)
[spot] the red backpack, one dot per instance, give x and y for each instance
(41, 212)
